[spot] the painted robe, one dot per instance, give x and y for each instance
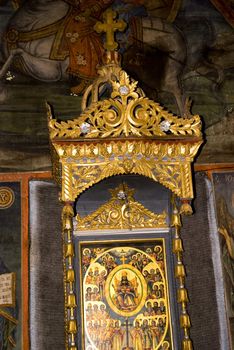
(84, 44)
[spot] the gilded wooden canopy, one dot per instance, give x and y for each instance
(126, 133)
(121, 131)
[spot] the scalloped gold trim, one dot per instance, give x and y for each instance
(84, 165)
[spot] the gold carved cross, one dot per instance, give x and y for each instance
(109, 26)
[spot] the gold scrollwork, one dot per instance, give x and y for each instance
(124, 134)
(126, 113)
(123, 212)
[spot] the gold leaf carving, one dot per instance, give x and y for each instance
(125, 133)
(86, 165)
(126, 113)
(121, 212)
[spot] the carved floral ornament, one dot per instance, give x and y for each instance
(125, 133)
(126, 113)
(86, 164)
(121, 211)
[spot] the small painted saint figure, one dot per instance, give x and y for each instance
(147, 336)
(137, 337)
(117, 337)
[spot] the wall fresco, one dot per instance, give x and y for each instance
(10, 266)
(49, 51)
(224, 197)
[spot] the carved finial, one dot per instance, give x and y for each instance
(110, 26)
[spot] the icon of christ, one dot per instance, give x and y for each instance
(125, 297)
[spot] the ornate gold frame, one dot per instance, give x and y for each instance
(125, 133)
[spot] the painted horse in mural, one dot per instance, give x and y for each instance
(52, 39)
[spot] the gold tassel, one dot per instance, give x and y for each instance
(186, 209)
(70, 275)
(182, 295)
(185, 321)
(177, 245)
(72, 328)
(69, 250)
(67, 215)
(67, 223)
(71, 300)
(176, 220)
(187, 344)
(179, 271)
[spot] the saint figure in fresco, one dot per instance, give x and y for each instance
(101, 283)
(147, 336)
(89, 278)
(107, 337)
(155, 307)
(161, 328)
(134, 262)
(96, 333)
(161, 291)
(117, 337)
(155, 334)
(102, 314)
(149, 310)
(150, 281)
(137, 336)
(226, 229)
(96, 276)
(162, 307)
(88, 294)
(156, 293)
(83, 43)
(95, 295)
(125, 290)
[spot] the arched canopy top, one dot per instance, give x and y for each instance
(124, 133)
